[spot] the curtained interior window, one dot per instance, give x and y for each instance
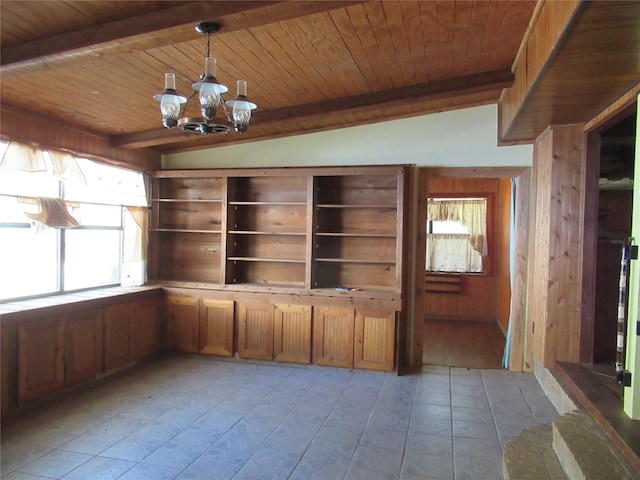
(456, 235)
(65, 223)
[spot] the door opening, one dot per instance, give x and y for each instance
(615, 197)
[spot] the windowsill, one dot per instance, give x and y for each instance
(14, 311)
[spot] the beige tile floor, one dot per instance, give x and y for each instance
(197, 417)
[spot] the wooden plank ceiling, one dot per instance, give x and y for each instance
(310, 66)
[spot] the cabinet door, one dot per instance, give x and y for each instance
(333, 336)
(118, 338)
(146, 327)
(216, 327)
(41, 358)
(292, 333)
(83, 345)
(374, 339)
(9, 365)
(183, 323)
(255, 330)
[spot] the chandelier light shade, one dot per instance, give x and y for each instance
(209, 92)
(170, 101)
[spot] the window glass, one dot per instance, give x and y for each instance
(107, 184)
(92, 258)
(30, 184)
(28, 261)
(97, 215)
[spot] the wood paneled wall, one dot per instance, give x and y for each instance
(555, 253)
(478, 298)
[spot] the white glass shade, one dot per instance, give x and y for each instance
(169, 101)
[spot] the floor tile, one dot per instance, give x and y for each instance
(133, 448)
(100, 468)
(193, 418)
(143, 471)
(92, 443)
(56, 463)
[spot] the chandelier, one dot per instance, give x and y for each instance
(210, 95)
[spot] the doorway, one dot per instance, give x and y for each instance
(614, 209)
(466, 314)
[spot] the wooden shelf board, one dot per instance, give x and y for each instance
(367, 206)
(271, 260)
(268, 232)
(356, 234)
(355, 260)
(185, 230)
(179, 200)
(279, 204)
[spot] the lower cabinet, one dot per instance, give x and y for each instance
(146, 324)
(333, 336)
(255, 330)
(118, 338)
(374, 339)
(83, 345)
(216, 327)
(40, 358)
(39, 355)
(183, 323)
(292, 333)
(9, 366)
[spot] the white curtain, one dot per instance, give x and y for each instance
(134, 262)
(472, 213)
(450, 252)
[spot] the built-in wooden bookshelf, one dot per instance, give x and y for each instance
(186, 227)
(311, 229)
(358, 233)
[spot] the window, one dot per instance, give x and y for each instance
(456, 235)
(64, 229)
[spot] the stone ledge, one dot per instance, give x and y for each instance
(530, 456)
(584, 452)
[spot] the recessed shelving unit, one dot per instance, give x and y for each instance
(302, 228)
(357, 243)
(186, 227)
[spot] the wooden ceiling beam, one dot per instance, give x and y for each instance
(152, 30)
(467, 85)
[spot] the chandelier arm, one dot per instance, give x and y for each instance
(187, 103)
(226, 111)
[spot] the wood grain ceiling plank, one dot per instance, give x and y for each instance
(342, 21)
(461, 38)
(369, 44)
(475, 52)
(493, 26)
(395, 16)
(446, 35)
(429, 23)
(302, 53)
(264, 62)
(515, 19)
(384, 43)
(335, 55)
(415, 46)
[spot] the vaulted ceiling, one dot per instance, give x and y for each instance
(310, 65)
